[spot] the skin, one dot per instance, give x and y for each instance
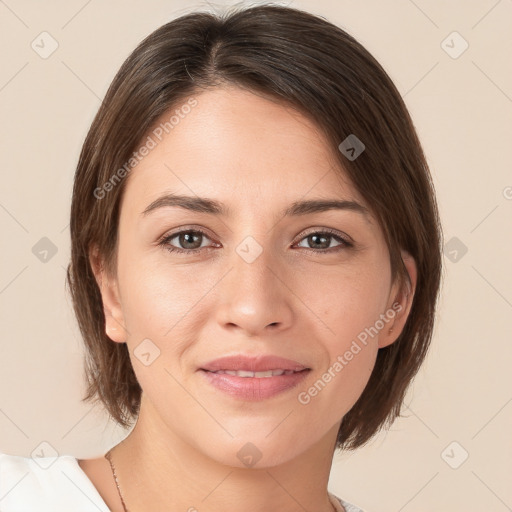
(256, 156)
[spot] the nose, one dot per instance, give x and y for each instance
(255, 296)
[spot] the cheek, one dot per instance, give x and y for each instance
(349, 355)
(345, 301)
(158, 298)
(158, 305)
(335, 390)
(350, 304)
(169, 305)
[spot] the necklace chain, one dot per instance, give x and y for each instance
(108, 456)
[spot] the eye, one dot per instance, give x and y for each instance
(320, 241)
(190, 240)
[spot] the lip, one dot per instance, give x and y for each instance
(259, 363)
(254, 388)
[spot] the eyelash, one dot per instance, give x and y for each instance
(164, 242)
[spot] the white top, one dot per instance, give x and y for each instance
(58, 484)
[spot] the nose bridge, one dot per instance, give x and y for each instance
(253, 251)
(252, 265)
(252, 296)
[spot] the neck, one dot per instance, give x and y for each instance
(157, 470)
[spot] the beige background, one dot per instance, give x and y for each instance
(462, 108)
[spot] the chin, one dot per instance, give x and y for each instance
(254, 452)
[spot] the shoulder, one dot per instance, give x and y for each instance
(349, 507)
(45, 484)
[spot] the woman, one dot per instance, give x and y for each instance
(255, 267)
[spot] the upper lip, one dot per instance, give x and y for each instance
(252, 363)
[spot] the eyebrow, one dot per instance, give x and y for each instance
(213, 207)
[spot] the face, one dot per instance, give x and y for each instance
(312, 285)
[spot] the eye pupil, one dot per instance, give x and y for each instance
(187, 238)
(317, 238)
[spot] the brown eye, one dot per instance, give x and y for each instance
(320, 241)
(189, 241)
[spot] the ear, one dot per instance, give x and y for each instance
(400, 302)
(114, 320)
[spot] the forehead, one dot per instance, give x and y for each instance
(236, 146)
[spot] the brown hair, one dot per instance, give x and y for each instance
(302, 60)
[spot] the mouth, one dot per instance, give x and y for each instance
(252, 377)
(254, 386)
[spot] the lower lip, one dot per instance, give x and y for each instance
(254, 388)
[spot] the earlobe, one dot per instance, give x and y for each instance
(400, 303)
(114, 320)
